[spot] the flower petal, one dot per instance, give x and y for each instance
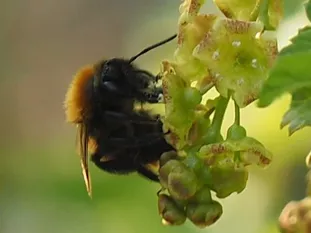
(180, 104)
(275, 12)
(237, 58)
(189, 9)
(223, 154)
(239, 9)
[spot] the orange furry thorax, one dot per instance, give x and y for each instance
(75, 100)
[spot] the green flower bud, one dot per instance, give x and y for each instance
(166, 169)
(203, 196)
(169, 211)
(192, 96)
(227, 181)
(198, 129)
(236, 132)
(203, 215)
(167, 156)
(182, 183)
(192, 161)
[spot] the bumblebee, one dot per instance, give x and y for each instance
(118, 138)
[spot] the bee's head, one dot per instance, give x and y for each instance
(111, 77)
(119, 79)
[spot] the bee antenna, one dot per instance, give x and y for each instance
(153, 47)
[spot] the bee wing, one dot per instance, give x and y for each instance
(83, 146)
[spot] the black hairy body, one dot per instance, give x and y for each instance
(126, 139)
(116, 136)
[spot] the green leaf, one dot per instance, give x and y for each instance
(291, 70)
(292, 74)
(288, 75)
(308, 9)
(299, 114)
(300, 43)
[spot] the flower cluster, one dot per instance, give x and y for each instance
(232, 54)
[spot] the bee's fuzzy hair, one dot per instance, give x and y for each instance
(75, 100)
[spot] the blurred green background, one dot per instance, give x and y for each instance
(42, 44)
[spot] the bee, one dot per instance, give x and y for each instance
(117, 137)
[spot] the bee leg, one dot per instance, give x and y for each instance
(121, 116)
(158, 77)
(145, 79)
(122, 166)
(147, 90)
(136, 142)
(154, 96)
(113, 165)
(147, 173)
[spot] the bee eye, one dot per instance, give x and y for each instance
(109, 72)
(108, 85)
(105, 73)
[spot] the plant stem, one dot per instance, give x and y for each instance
(219, 113)
(256, 11)
(263, 14)
(214, 134)
(237, 114)
(237, 121)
